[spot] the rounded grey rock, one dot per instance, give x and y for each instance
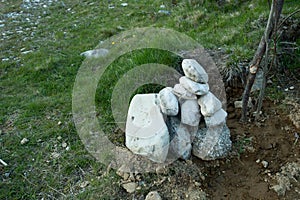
(193, 87)
(193, 70)
(168, 102)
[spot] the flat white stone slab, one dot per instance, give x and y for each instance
(193, 70)
(193, 87)
(146, 132)
(209, 104)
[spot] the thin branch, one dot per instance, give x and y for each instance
(275, 11)
(286, 18)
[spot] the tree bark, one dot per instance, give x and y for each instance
(274, 16)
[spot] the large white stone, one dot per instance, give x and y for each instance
(146, 132)
(193, 70)
(217, 119)
(183, 93)
(190, 112)
(168, 102)
(193, 87)
(209, 104)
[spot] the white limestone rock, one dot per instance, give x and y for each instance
(193, 70)
(217, 119)
(190, 112)
(146, 132)
(209, 104)
(212, 143)
(193, 87)
(183, 93)
(168, 102)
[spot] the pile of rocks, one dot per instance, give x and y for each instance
(169, 125)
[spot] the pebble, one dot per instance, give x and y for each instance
(124, 4)
(84, 184)
(24, 141)
(154, 195)
(129, 187)
(96, 53)
(64, 144)
(264, 163)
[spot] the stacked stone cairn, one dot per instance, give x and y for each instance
(170, 125)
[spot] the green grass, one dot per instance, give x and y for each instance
(36, 88)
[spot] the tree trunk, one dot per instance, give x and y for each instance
(274, 16)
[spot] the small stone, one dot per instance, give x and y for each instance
(84, 184)
(209, 104)
(183, 93)
(59, 123)
(193, 70)
(55, 155)
(154, 195)
(217, 119)
(264, 163)
(129, 187)
(168, 102)
(193, 87)
(126, 176)
(292, 88)
(24, 141)
(238, 104)
(124, 4)
(161, 170)
(59, 138)
(190, 112)
(64, 144)
(96, 53)
(124, 172)
(197, 184)
(257, 161)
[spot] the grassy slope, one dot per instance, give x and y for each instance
(36, 88)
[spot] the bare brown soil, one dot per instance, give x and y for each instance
(244, 176)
